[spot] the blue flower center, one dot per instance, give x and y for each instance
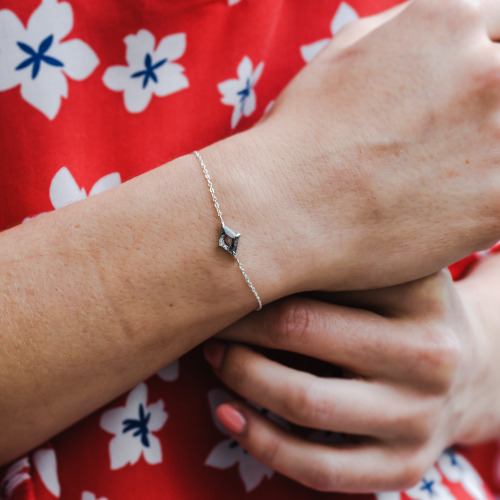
(234, 444)
(140, 426)
(37, 57)
(453, 457)
(427, 486)
(149, 72)
(245, 92)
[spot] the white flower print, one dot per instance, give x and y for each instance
(170, 372)
(46, 465)
(345, 14)
(87, 495)
(430, 487)
(458, 470)
(388, 495)
(133, 426)
(228, 452)
(35, 58)
(240, 92)
(27, 219)
(64, 190)
(269, 107)
(16, 474)
(149, 71)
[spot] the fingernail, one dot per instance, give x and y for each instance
(231, 419)
(214, 350)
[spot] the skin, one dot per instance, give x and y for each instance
(99, 295)
(387, 100)
(427, 351)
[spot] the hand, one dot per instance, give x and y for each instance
(420, 375)
(385, 149)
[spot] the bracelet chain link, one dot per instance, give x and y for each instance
(225, 229)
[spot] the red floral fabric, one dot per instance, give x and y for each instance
(93, 93)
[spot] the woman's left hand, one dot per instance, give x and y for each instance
(419, 375)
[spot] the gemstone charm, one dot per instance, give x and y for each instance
(228, 239)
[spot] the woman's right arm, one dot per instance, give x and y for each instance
(100, 295)
(373, 156)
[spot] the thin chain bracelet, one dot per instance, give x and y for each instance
(226, 232)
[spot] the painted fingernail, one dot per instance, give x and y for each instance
(214, 351)
(231, 419)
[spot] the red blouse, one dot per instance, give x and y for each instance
(93, 93)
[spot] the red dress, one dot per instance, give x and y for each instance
(93, 93)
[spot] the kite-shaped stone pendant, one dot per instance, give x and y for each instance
(228, 240)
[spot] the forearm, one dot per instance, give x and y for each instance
(101, 294)
(342, 187)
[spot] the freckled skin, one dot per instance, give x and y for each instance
(344, 185)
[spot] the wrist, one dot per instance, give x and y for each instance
(310, 240)
(252, 205)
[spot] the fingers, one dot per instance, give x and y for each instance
(332, 333)
(360, 341)
(423, 298)
(347, 406)
(343, 468)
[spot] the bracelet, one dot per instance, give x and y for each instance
(228, 239)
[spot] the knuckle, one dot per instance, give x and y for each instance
(410, 469)
(291, 322)
(268, 450)
(416, 425)
(434, 355)
(422, 423)
(433, 294)
(305, 405)
(236, 367)
(441, 356)
(323, 477)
